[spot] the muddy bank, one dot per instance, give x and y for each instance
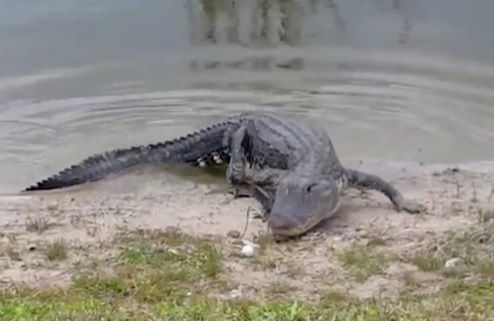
(87, 218)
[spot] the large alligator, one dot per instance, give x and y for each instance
(289, 167)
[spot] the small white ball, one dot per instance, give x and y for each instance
(248, 250)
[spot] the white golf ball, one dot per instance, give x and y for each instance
(248, 250)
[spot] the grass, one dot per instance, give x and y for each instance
(485, 268)
(427, 262)
(177, 252)
(111, 299)
(364, 261)
(473, 248)
(38, 224)
(277, 288)
(161, 265)
(57, 250)
(172, 276)
(12, 253)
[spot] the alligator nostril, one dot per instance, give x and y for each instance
(281, 222)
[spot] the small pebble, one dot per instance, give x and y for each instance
(235, 294)
(337, 238)
(451, 263)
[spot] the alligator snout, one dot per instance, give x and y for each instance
(287, 225)
(283, 223)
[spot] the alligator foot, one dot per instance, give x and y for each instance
(260, 216)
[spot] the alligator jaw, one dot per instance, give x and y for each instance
(310, 224)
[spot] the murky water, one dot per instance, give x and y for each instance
(394, 80)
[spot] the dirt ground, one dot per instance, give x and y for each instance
(337, 256)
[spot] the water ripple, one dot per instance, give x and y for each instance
(375, 106)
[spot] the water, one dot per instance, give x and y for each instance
(393, 80)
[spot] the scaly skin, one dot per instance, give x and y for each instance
(290, 167)
(203, 148)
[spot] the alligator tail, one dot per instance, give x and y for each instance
(201, 148)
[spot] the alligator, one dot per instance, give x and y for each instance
(290, 167)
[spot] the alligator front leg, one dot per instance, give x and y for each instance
(263, 187)
(363, 180)
(265, 177)
(265, 196)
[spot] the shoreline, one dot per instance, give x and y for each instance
(89, 219)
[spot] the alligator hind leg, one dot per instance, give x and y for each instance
(235, 172)
(363, 180)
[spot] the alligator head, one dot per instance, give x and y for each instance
(301, 202)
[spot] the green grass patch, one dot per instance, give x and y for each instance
(155, 266)
(471, 247)
(57, 250)
(364, 261)
(169, 276)
(460, 301)
(427, 262)
(485, 268)
(192, 257)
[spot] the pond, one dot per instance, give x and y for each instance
(393, 80)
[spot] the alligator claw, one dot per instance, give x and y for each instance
(259, 216)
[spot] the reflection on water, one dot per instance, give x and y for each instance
(273, 22)
(404, 80)
(248, 22)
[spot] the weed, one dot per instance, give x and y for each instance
(332, 298)
(264, 239)
(37, 224)
(57, 250)
(266, 262)
(364, 261)
(12, 253)
(427, 262)
(278, 288)
(485, 268)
